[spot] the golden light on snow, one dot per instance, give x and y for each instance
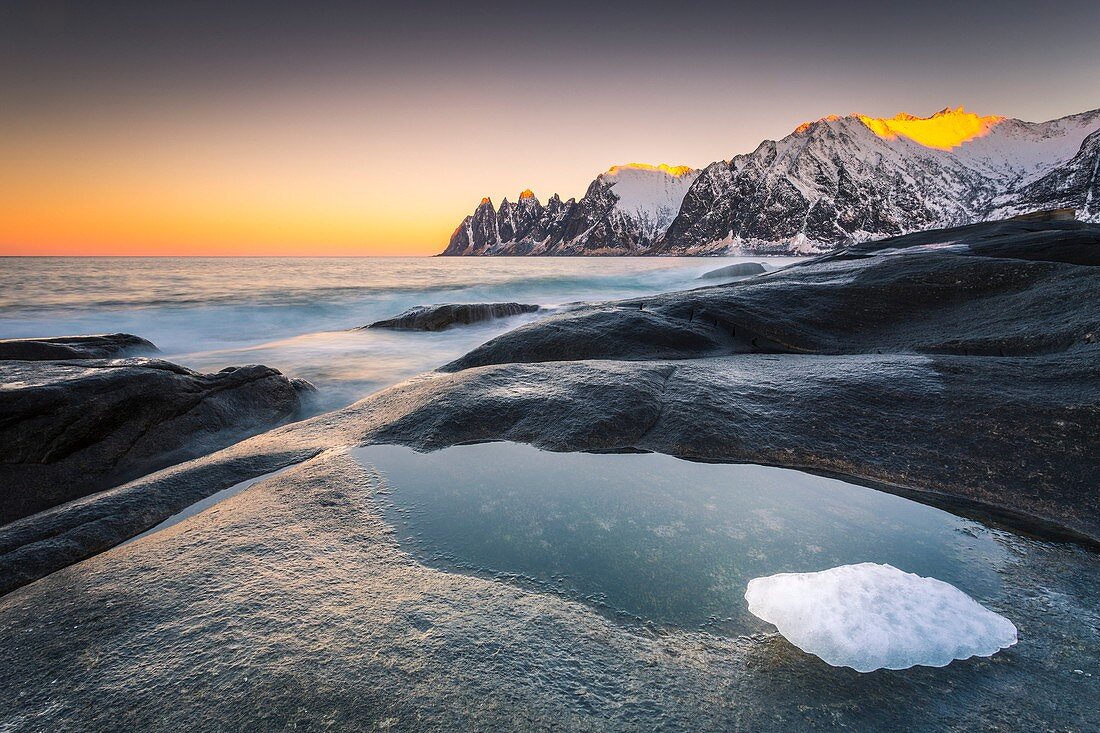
(807, 125)
(673, 170)
(527, 194)
(944, 130)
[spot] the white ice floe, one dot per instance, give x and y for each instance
(870, 616)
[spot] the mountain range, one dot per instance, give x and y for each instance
(830, 182)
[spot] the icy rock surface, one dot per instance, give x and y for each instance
(871, 616)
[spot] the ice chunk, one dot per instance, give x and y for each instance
(870, 616)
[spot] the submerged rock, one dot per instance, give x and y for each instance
(106, 346)
(741, 269)
(70, 428)
(439, 317)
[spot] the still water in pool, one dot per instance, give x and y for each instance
(657, 539)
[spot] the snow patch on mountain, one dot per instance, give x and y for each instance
(649, 195)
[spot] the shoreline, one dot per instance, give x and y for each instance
(722, 374)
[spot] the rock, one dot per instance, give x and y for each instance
(995, 289)
(961, 361)
(292, 600)
(983, 436)
(107, 346)
(440, 317)
(741, 269)
(956, 367)
(71, 428)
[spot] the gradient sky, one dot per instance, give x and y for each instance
(200, 128)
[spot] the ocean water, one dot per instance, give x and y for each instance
(296, 314)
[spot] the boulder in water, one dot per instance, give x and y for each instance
(71, 428)
(741, 269)
(440, 317)
(105, 346)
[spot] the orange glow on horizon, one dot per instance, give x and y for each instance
(125, 223)
(215, 182)
(205, 192)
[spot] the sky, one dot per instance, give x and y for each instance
(339, 128)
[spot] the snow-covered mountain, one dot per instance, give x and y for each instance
(829, 182)
(1073, 184)
(626, 210)
(853, 178)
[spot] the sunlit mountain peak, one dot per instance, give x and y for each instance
(945, 130)
(807, 125)
(676, 171)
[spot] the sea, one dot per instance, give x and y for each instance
(301, 315)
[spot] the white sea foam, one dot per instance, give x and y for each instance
(295, 314)
(870, 616)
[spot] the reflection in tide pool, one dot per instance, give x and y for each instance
(657, 538)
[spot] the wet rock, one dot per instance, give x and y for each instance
(106, 346)
(440, 317)
(958, 367)
(963, 362)
(992, 437)
(741, 269)
(291, 600)
(997, 289)
(69, 428)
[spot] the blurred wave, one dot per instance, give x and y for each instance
(294, 313)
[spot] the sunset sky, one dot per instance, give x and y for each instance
(335, 128)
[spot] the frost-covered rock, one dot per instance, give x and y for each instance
(870, 616)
